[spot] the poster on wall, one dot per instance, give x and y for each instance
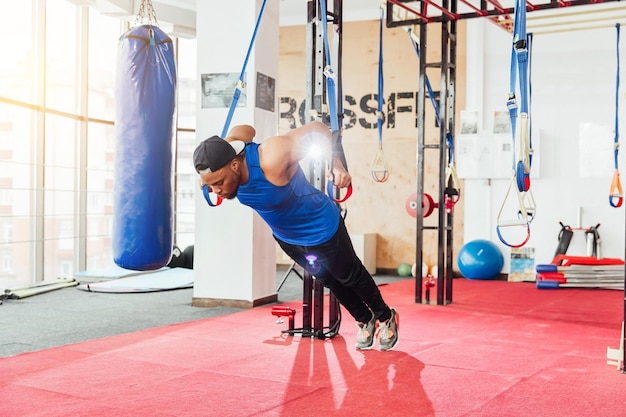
(596, 150)
(473, 150)
(469, 122)
(502, 162)
(265, 92)
(501, 122)
(489, 155)
(218, 90)
(474, 156)
(522, 265)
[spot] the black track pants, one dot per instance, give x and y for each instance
(336, 265)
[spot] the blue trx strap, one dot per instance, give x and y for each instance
(520, 63)
(329, 75)
(206, 192)
(429, 88)
(240, 84)
(332, 105)
(452, 191)
(380, 172)
(616, 196)
(522, 153)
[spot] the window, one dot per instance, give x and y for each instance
(7, 233)
(186, 181)
(7, 263)
(57, 138)
(60, 194)
(17, 191)
(18, 62)
(104, 33)
(61, 60)
(99, 201)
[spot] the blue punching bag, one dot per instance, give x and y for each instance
(145, 93)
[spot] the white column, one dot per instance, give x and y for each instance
(478, 216)
(235, 254)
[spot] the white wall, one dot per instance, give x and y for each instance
(234, 249)
(573, 83)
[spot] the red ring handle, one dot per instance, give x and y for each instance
(330, 186)
(207, 197)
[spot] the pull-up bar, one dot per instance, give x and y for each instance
(479, 8)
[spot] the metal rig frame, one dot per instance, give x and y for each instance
(446, 13)
(316, 107)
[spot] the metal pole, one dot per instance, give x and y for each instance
(421, 101)
(451, 129)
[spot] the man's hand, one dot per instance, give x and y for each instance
(341, 178)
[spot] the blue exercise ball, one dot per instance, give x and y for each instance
(480, 259)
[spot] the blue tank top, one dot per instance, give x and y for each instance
(298, 213)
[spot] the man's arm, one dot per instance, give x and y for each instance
(313, 137)
(244, 133)
(298, 143)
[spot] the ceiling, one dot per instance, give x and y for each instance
(293, 12)
(181, 13)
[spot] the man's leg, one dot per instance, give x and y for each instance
(347, 272)
(344, 266)
(348, 298)
(338, 267)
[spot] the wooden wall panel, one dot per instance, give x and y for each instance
(378, 207)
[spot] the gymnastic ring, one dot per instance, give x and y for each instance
(510, 245)
(207, 197)
(330, 188)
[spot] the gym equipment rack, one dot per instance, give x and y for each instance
(447, 13)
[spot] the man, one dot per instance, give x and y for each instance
(305, 222)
